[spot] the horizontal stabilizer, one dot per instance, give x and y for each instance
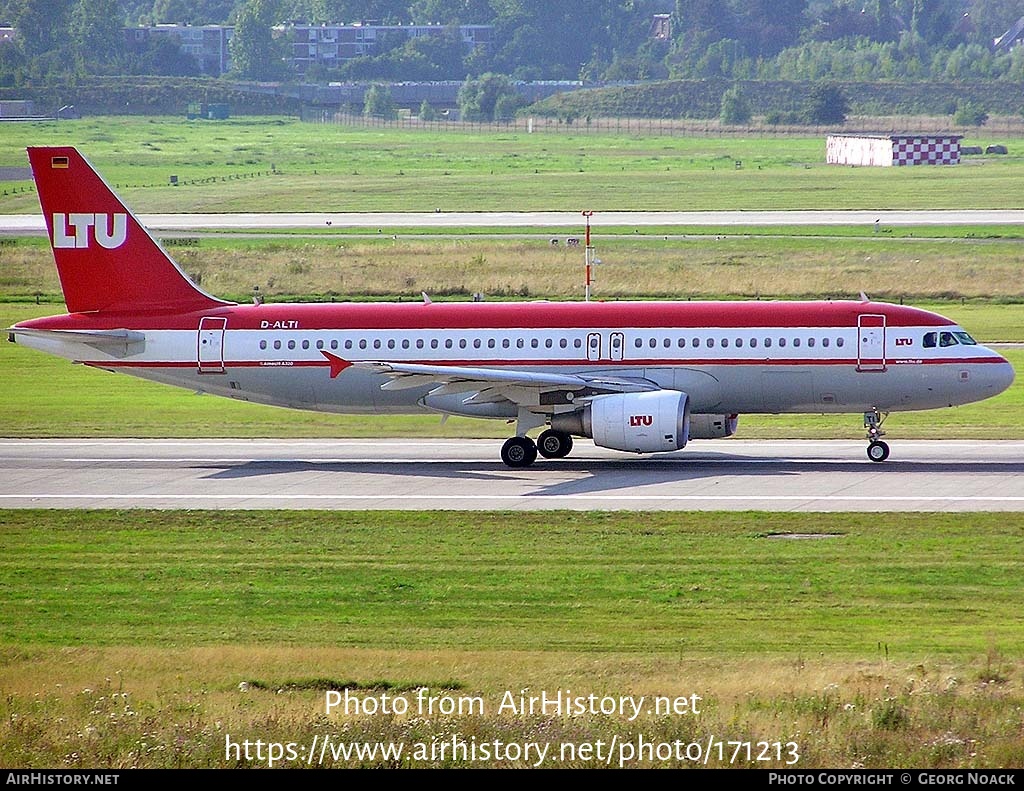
(117, 343)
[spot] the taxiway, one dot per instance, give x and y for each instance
(32, 224)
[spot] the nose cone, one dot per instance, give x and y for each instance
(1002, 375)
(994, 377)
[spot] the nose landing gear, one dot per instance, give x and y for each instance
(873, 420)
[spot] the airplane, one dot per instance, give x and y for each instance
(641, 377)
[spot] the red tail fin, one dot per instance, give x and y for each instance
(106, 260)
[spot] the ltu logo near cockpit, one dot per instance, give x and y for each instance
(72, 230)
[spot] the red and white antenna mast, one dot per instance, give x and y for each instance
(588, 253)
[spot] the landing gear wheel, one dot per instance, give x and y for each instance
(554, 444)
(878, 451)
(519, 452)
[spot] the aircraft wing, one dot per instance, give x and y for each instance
(491, 384)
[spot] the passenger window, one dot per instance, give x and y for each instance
(263, 344)
(405, 344)
(653, 343)
(505, 343)
(291, 344)
(433, 343)
(695, 343)
(796, 341)
(277, 344)
(782, 342)
(490, 343)
(739, 343)
(462, 343)
(376, 344)
(638, 343)
(520, 343)
(810, 342)
(548, 343)
(348, 344)
(476, 343)
(725, 343)
(710, 343)
(667, 343)
(319, 344)
(824, 342)
(767, 342)
(753, 343)
(391, 344)
(839, 341)
(448, 344)
(563, 343)
(534, 343)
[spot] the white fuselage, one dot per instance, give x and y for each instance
(727, 370)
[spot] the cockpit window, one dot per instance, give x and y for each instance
(947, 339)
(965, 339)
(930, 338)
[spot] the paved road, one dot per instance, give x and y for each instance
(13, 224)
(451, 474)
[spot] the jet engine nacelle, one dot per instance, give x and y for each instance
(636, 422)
(713, 426)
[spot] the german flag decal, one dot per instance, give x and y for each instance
(59, 162)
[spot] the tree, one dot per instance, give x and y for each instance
(969, 114)
(42, 25)
(427, 111)
(162, 55)
(97, 35)
(378, 103)
(254, 53)
(827, 104)
(735, 108)
(484, 97)
(191, 12)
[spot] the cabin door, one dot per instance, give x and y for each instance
(210, 345)
(870, 342)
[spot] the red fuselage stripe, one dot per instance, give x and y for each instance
(631, 363)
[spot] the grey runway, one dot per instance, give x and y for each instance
(467, 475)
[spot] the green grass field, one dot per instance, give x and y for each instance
(891, 643)
(314, 167)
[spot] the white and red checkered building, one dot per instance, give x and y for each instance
(888, 150)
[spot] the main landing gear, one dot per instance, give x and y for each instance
(877, 450)
(522, 451)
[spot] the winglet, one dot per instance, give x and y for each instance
(337, 363)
